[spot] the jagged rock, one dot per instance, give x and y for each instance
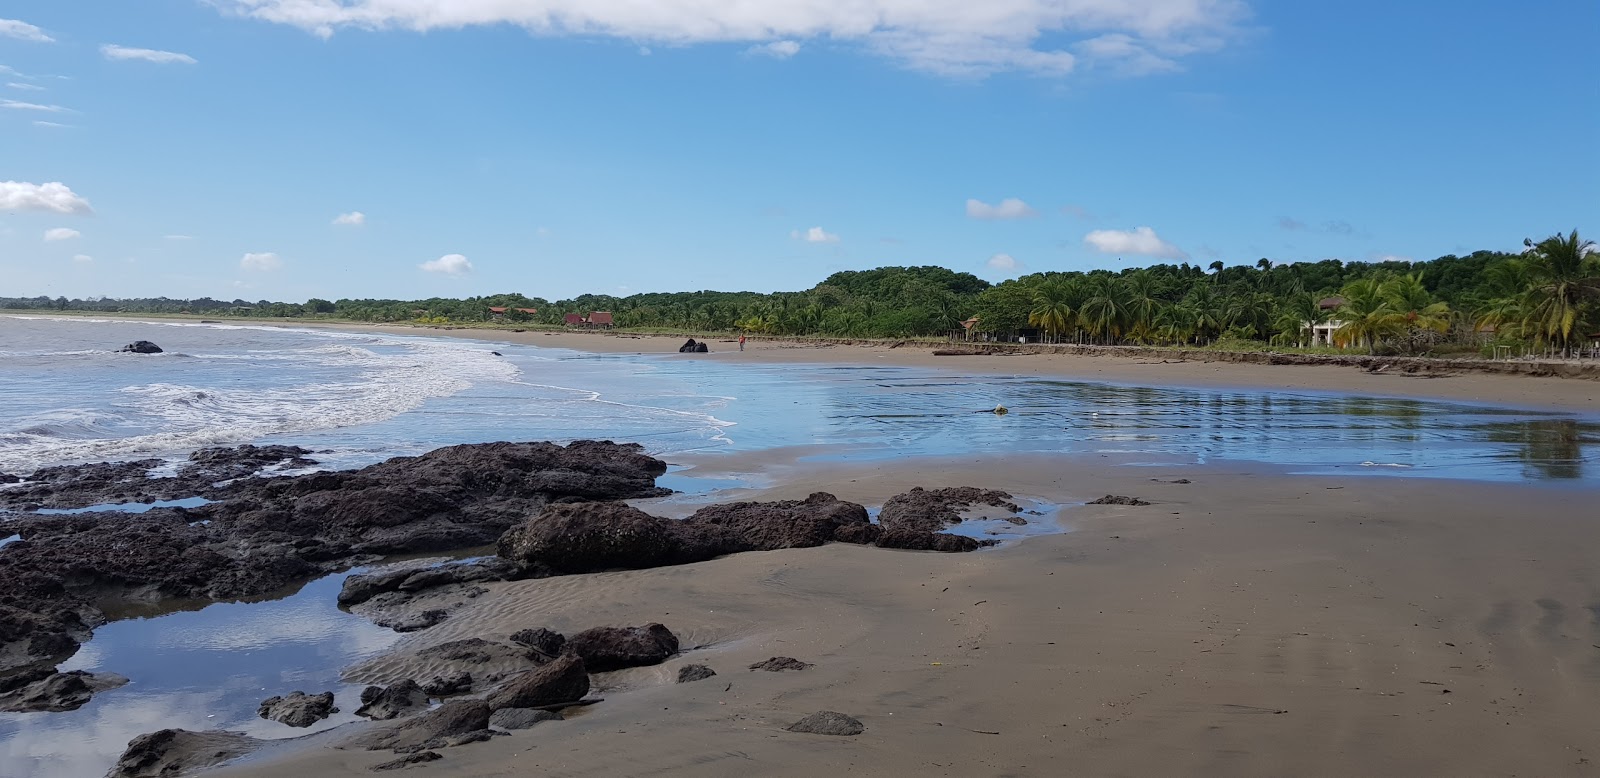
(140, 347)
(420, 757)
(564, 680)
(767, 526)
(778, 664)
(172, 752)
(692, 673)
(828, 722)
(612, 648)
(298, 709)
(918, 540)
(448, 720)
(44, 689)
(455, 683)
(931, 510)
(522, 718)
(262, 534)
(592, 536)
(381, 704)
(1115, 499)
(544, 642)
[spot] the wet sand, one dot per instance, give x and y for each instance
(1244, 624)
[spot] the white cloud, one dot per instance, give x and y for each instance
(1009, 208)
(1142, 241)
(953, 37)
(61, 233)
(814, 235)
(264, 262)
(54, 196)
(25, 87)
(113, 51)
(351, 219)
(1390, 258)
(180, 237)
(17, 105)
(11, 28)
(776, 49)
(82, 258)
(52, 125)
(449, 264)
(1003, 262)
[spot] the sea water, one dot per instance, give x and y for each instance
(67, 397)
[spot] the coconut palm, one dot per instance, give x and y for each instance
(1566, 279)
(1142, 294)
(1105, 308)
(1409, 310)
(1297, 316)
(1054, 308)
(1363, 314)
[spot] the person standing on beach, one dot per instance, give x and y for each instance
(741, 342)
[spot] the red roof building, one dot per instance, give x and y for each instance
(600, 319)
(572, 319)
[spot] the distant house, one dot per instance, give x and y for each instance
(496, 312)
(599, 319)
(967, 329)
(573, 320)
(1322, 333)
(529, 311)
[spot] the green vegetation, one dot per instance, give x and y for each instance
(1544, 299)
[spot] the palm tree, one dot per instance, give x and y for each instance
(1298, 316)
(1053, 308)
(1207, 311)
(1105, 310)
(1410, 310)
(1142, 296)
(1566, 277)
(1363, 314)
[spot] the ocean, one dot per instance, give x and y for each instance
(355, 398)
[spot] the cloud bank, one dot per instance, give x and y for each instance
(1142, 242)
(115, 52)
(351, 219)
(776, 49)
(54, 197)
(449, 264)
(61, 233)
(1003, 262)
(1009, 208)
(953, 37)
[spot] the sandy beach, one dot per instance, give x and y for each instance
(1243, 624)
(1246, 622)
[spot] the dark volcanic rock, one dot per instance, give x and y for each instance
(44, 689)
(451, 741)
(692, 673)
(827, 722)
(420, 757)
(486, 660)
(613, 648)
(1115, 499)
(445, 685)
(767, 526)
(521, 718)
(140, 347)
(448, 720)
(298, 709)
(931, 510)
(778, 664)
(381, 704)
(564, 680)
(262, 534)
(544, 642)
(918, 540)
(593, 536)
(172, 752)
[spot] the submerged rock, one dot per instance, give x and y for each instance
(298, 709)
(46, 690)
(140, 347)
(827, 722)
(381, 704)
(172, 752)
(522, 718)
(614, 648)
(564, 680)
(778, 664)
(692, 673)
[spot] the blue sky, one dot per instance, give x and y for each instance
(553, 147)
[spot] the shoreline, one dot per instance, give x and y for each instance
(1240, 624)
(1196, 370)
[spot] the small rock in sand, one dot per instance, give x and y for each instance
(778, 664)
(614, 648)
(382, 704)
(521, 718)
(406, 761)
(692, 673)
(547, 643)
(827, 722)
(1116, 499)
(454, 683)
(449, 720)
(298, 709)
(564, 680)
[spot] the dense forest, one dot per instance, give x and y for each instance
(1545, 299)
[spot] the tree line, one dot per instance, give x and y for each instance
(1544, 298)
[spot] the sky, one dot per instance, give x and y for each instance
(290, 149)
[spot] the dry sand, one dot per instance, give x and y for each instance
(1244, 624)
